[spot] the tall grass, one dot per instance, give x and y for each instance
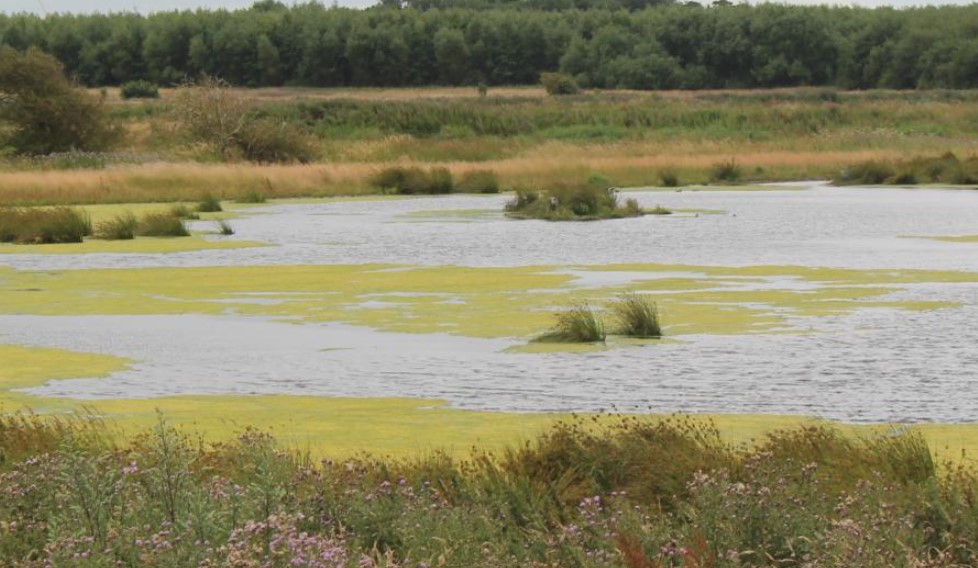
(161, 224)
(577, 325)
(637, 316)
(120, 227)
(596, 491)
(43, 225)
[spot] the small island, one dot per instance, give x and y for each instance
(591, 201)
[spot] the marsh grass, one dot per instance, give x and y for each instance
(252, 196)
(478, 181)
(120, 227)
(577, 325)
(726, 171)
(946, 168)
(637, 316)
(412, 180)
(209, 204)
(161, 224)
(659, 210)
(43, 225)
(224, 228)
(183, 211)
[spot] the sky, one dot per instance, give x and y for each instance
(147, 6)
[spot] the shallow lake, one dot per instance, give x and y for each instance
(868, 365)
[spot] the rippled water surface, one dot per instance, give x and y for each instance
(873, 365)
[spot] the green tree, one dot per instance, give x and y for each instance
(41, 112)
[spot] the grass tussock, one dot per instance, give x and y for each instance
(209, 204)
(183, 211)
(30, 225)
(596, 492)
(161, 224)
(478, 181)
(659, 210)
(637, 316)
(589, 201)
(119, 228)
(224, 228)
(577, 325)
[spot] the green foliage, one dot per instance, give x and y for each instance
(595, 491)
(636, 44)
(478, 181)
(946, 169)
(269, 142)
(588, 201)
(668, 178)
(557, 84)
(41, 112)
(413, 180)
(725, 171)
(161, 225)
(139, 90)
(120, 227)
(576, 325)
(637, 316)
(224, 228)
(209, 204)
(43, 225)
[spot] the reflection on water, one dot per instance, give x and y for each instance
(874, 365)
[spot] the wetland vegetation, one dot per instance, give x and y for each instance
(632, 492)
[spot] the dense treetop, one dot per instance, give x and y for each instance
(644, 44)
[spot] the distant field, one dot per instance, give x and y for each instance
(526, 138)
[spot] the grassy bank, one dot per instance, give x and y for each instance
(606, 492)
(528, 141)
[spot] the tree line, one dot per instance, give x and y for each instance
(601, 43)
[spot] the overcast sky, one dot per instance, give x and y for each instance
(147, 6)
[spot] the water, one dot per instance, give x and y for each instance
(870, 366)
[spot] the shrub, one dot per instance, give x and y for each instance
(409, 181)
(272, 142)
(139, 90)
(43, 112)
(668, 178)
(725, 171)
(209, 204)
(478, 181)
(564, 202)
(119, 228)
(577, 325)
(558, 84)
(637, 316)
(161, 225)
(43, 225)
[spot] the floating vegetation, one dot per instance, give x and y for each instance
(572, 202)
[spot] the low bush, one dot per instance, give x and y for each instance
(576, 325)
(637, 316)
(478, 181)
(119, 228)
(209, 204)
(946, 168)
(139, 90)
(572, 202)
(267, 141)
(413, 180)
(161, 224)
(725, 171)
(668, 178)
(43, 225)
(558, 84)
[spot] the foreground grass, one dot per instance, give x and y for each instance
(628, 492)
